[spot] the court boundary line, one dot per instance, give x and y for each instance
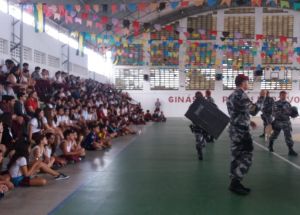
(277, 155)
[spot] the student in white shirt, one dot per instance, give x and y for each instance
(22, 174)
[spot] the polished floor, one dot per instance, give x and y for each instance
(157, 173)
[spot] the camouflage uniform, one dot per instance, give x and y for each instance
(200, 139)
(267, 111)
(240, 107)
(281, 113)
(210, 99)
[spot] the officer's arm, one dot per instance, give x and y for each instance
(255, 108)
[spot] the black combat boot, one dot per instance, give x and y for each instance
(271, 143)
(237, 188)
(292, 152)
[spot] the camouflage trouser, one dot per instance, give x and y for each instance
(267, 119)
(286, 126)
(200, 141)
(241, 151)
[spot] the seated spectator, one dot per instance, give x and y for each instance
(4, 179)
(19, 106)
(70, 151)
(148, 116)
(7, 104)
(32, 103)
(51, 151)
(8, 138)
(36, 73)
(162, 117)
(92, 141)
(38, 125)
(40, 153)
(155, 116)
(24, 175)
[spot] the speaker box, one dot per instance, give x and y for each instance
(258, 72)
(208, 116)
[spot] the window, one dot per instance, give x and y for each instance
(27, 53)
(53, 61)
(245, 25)
(15, 50)
(39, 57)
(277, 79)
(164, 79)
(207, 23)
(129, 79)
(198, 54)
(200, 79)
(276, 26)
(132, 55)
(3, 46)
(164, 53)
(229, 76)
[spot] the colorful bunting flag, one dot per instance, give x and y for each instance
(39, 18)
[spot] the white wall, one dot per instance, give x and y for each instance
(174, 107)
(43, 43)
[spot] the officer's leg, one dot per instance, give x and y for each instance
(199, 144)
(276, 131)
(287, 129)
(241, 163)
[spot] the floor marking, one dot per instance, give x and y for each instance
(277, 155)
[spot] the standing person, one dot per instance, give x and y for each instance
(157, 104)
(208, 97)
(239, 108)
(199, 132)
(282, 111)
(266, 115)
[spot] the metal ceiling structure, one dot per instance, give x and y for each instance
(163, 17)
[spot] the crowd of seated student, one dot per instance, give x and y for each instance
(46, 123)
(157, 116)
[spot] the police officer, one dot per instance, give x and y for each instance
(282, 111)
(208, 96)
(199, 132)
(240, 107)
(209, 138)
(266, 115)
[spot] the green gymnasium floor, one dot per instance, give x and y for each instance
(159, 174)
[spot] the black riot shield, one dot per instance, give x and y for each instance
(207, 116)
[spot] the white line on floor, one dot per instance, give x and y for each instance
(277, 155)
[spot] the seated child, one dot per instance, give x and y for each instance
(70, 151)
(92, 141)
(24, 175)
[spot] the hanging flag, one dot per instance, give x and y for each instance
(211, 2)
(174, 4)
(198, 2)
(132, 7)
(114, 8)
(80, 44)
(284, 4)
(39, 18)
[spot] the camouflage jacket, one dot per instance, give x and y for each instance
(240, 108)
(268, 106)
(282, 110)
(210, 99)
